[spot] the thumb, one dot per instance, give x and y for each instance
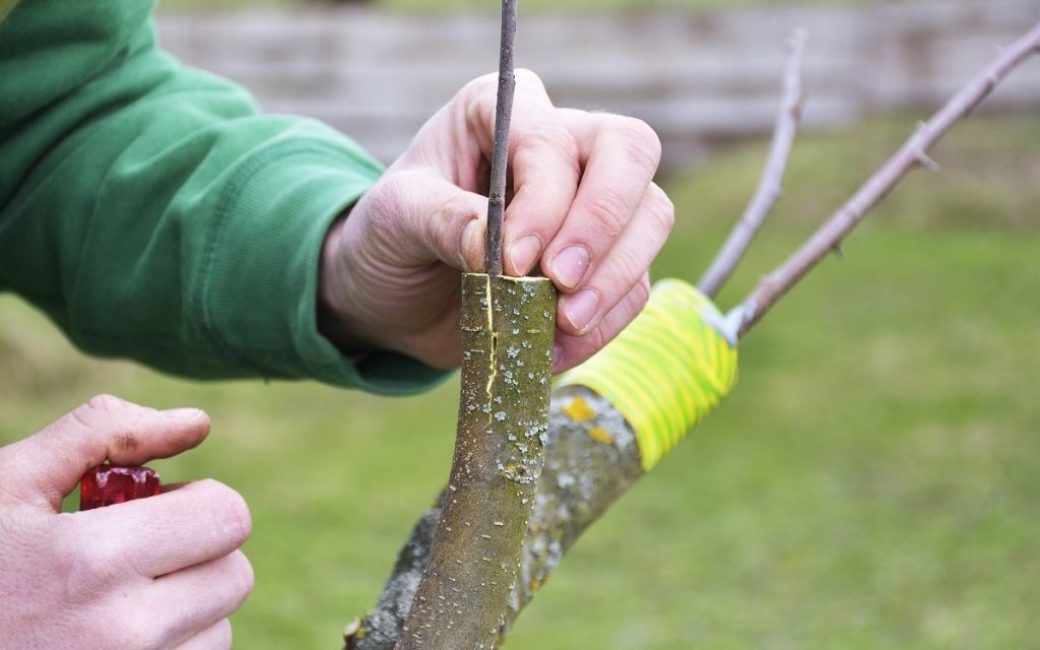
(435, 219)
(41, 469)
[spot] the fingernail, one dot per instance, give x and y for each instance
(471, 248)
(187, 414)
(557, 357)
(524, 252)
(570, 265)
(580, 308)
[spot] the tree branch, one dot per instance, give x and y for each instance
(507, 325)
(913, 153)
(592, 458)
(770, 187)
(500, 155)
(472, 566)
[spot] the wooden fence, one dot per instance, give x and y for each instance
(699, 77)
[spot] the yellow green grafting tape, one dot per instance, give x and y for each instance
(666, 370)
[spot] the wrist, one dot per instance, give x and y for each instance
(333, 320)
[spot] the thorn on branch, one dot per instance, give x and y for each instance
(928, 163)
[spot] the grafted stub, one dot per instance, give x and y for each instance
(108, 485)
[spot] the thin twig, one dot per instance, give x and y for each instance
(499, 157)
(770, 186)
(913, 153)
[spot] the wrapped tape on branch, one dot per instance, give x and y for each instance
(667, 370)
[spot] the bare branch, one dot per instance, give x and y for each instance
(500, 155)
(770, 186)
(913, 153)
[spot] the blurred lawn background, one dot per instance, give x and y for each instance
(873, 482)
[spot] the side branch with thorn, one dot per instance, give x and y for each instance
(913, 153)
(771, 185)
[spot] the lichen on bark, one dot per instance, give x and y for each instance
(462, 599)
(591, 459)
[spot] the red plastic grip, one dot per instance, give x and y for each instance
(108, 485)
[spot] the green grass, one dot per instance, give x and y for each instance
(871, 483)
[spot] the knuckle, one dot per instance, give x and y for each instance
(241, 577)
(91, 565)
(596, 339)
(661, 209)
(480, 85)
(547, 138)
(97, 409)
(229, 510)
(641, 294)
(479, 95)
(642, 143)
(138, 632)
(454, 210)
(105, 403)
(607, 211)
(527, 77)
(626, 270)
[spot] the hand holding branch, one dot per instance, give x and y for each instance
(585, 213)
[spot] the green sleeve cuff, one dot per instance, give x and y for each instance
(258, 290)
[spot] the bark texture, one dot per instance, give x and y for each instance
(591, 459)
(462, 598)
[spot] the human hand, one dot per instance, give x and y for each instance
(585, 212)
(160, 572)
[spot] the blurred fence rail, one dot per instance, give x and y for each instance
(699, 77)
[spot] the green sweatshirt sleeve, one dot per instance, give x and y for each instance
(152, 213)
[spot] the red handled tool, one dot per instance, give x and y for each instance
(107, 485)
